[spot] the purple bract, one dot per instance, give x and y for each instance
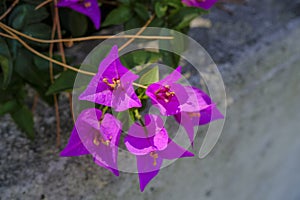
(205, 4)
(171, 98)
(151, 144)
(112, 85)
(96, 136)
(206, 114)
(89, 8)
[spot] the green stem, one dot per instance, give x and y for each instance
(103, 112)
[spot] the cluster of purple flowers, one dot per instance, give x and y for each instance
(98, 132)
(91, 9)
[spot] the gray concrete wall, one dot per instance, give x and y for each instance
(256, 158)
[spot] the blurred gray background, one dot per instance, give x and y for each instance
(257, 49)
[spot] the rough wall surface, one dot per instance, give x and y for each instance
(256, 157)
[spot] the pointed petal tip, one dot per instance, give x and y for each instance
(178, 69)
(115, 172)
(188, 154)
(114, 49)
(142, 188)
(63, 154)
(146, 178)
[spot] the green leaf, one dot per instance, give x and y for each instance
(150, 76)
(15, 90)
(38, 30)
(160, 9)
(25, 14)
(134, 22)
(142, 11)
(64, 82)
(126, 118)
(3, 7)
(34, 2)
(183, 16)
(157, 22)
(8, 106)
(125, 1)
(175, 47)
(24, 119)
(118, 16)
(42, 66)
(5, 63)
(74, 22)
(170, 59)
(139, 57)
(25, 67)
(174, 3)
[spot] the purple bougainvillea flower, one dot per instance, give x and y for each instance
(97, 137)
(112, 85)
(89, 8)
(171, 97)
(205, 4)
(151, 144)
(208, 113)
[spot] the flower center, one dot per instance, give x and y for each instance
(115, 82)
(98, 140)
(85, 3)
(165, 93)
(194, 114)
(154, 155)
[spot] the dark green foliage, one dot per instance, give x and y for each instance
(20, 67)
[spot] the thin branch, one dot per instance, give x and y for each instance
(138, 33)
(62, 51)
(35, 101)
(60, 44)
(96, 37)
(9, 9)
(42, 4)
(57, 120)
(51, 46)
(57, 117)
(55, 61)
(5, 35)
(46, 57)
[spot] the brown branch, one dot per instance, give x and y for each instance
(62, 51)
(59, 35)
(14, 36)
(138, 33)
(57, 117)
(5, 35)
(35, 101)
(46, 57)
(97, 37)
(9, 9)
(42, 4)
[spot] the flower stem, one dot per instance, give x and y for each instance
(103, 112)
(139, 85)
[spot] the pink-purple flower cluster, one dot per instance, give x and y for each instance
(98, 132)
